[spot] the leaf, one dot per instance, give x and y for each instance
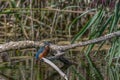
(89, 24)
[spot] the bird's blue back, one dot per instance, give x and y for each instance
(39, 52)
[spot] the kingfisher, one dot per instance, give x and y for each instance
(43, 51)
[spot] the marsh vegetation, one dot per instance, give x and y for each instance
(61, 22)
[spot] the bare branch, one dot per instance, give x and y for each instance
(55, 67)
(93, 41)
(19, 45)
(31, 44)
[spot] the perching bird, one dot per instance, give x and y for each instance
(43, 51)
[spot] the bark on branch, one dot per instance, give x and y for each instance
(93, 41)
(30, 44)
(19, 45)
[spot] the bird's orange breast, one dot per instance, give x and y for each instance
(44, 53)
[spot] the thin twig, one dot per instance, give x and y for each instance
(58, 10)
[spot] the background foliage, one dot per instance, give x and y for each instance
(61, 22)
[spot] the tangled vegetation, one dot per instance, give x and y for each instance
(61, 22)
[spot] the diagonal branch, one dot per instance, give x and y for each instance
(31, 44)
(93, 41)
(55, 67)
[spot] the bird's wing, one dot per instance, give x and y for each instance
(39, 52)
